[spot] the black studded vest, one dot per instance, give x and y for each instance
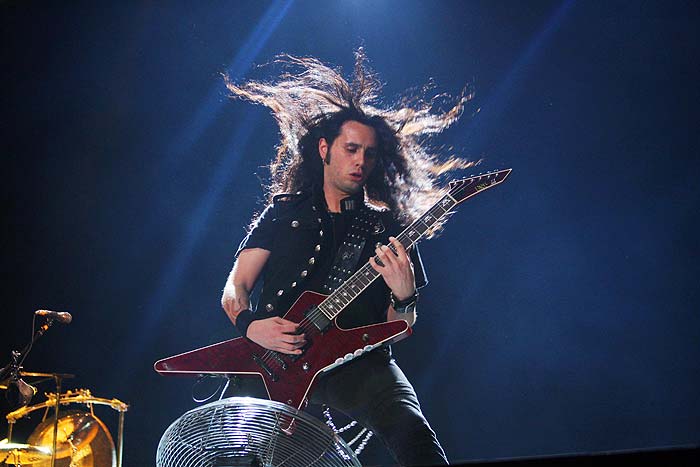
(303, 250)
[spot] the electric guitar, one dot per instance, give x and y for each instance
(290, 378)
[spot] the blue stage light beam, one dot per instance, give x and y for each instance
(241, 63)
(172, 276)
(490, 112)
(487, 119)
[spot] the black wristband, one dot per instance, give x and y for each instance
(401, 305)
(243, 320)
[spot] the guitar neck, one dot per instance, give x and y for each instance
(459, 191)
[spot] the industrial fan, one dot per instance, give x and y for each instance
(244, 431)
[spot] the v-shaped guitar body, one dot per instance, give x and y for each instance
(287, 379)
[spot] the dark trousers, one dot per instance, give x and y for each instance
(374, 391)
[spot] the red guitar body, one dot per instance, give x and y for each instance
(288, 379)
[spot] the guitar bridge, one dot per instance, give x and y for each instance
(265, 367)
(279, 360)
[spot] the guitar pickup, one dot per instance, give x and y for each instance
(265, 367)
(317, 317)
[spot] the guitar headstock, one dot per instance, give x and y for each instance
(460, 190)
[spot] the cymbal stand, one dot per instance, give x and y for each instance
(59, 380)
(120, 440)
(11, 370)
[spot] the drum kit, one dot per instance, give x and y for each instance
(69, 434)
(74, 433)
(233, 431)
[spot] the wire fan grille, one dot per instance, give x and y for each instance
(243, 431)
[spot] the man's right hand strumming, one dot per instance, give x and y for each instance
(277, 334)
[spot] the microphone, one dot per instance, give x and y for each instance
(61, 316)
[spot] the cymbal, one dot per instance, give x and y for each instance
(22, 454)
(90, 448)
(33, 374)
(75, 430)
(46, 375)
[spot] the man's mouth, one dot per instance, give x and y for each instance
(357, 176)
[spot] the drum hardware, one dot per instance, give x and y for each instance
(79, 430)
(75, 429)
(10, 375)
(18, 393)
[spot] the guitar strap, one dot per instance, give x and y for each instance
(365, 223)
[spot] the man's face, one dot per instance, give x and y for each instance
(353, 156)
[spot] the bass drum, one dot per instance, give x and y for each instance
(82, 440)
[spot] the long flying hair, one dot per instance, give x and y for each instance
(312, 100)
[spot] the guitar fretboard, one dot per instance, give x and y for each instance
(358, 282)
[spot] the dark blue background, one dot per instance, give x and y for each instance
(562, 313)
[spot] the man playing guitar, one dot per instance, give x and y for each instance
(354, 176)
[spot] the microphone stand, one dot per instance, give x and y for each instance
(12, 368)
(13, 371)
